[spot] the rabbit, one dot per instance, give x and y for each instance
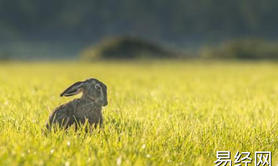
(87, 109)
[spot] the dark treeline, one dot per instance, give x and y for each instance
(167, 20)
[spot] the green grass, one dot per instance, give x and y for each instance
(159, 113)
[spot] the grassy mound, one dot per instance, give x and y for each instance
(125, 48)
(243, 49)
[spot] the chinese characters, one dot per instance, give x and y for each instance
(262, 158)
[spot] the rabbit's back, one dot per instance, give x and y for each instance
(62, 116)
(75, 112)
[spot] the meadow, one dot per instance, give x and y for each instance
(158, 113)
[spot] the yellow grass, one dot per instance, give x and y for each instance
(159, 113)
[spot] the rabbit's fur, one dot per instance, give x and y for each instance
(85, 109)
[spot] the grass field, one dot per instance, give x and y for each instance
(159, 113)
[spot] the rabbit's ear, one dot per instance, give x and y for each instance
(73, 89)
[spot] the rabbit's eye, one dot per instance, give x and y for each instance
(97, 86)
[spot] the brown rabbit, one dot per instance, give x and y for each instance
(87, 108)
